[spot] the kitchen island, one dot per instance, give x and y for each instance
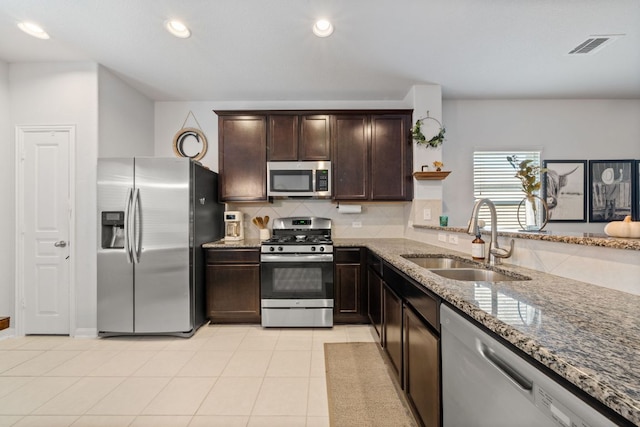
(587, 335)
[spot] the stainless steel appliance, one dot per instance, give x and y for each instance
(486, 384)
(155, 214)
(233, 226)
(297, 273)
(299, 179)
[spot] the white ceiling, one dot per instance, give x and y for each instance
(264, 49)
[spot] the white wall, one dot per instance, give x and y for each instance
(66, 93)
(563, 129)
(7, 194)
(125, 118)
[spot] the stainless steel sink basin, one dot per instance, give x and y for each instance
(477, 275)
(440, 262)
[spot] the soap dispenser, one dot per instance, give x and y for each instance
(477, 248)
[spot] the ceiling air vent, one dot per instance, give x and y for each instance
(594, 43)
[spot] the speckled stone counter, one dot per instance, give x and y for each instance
(586, 334)
(246, 243)
(587, 239)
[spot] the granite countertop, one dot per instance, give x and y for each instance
(586, 239)
(588, 335)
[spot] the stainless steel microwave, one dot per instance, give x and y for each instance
(299, 179)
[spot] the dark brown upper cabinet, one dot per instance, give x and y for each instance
(350, 157)
(299, 137)
(242, 157)
(391, 164)
(372, 157)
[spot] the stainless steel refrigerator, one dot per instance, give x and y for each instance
(154, 215)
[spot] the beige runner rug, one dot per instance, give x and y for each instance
(360, 389)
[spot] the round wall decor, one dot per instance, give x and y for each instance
(184, 135)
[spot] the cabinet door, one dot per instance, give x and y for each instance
(350, 157)
(315, 143)
(283, 137)
(392, 328)
(350, 292)
(374, 298)
(391, 158)
(233, 293)
(422, 369)
(242, 155)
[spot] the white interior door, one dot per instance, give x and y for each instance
(45, 198)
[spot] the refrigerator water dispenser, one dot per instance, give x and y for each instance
(113, 230)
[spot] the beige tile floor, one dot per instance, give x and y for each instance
(225, 375)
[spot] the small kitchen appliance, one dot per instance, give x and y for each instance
(233, 226)
(296, 266)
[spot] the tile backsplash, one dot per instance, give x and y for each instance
(381, 220)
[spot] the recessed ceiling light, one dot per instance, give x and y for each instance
(178, 29)
(33, 30)
(322, 28)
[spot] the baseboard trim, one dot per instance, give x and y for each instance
(86, 333)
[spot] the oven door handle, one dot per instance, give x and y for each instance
(296, 258)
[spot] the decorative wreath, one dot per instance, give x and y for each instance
(184, 133)
(420, 139)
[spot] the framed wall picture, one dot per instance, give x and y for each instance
(612, 189)
(565, 190)
(636, 214)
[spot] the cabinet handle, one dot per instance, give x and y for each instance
(507, 370)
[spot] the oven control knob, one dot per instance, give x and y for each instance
(280, 248)
(321, 248)
(313, 248)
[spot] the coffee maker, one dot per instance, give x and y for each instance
(233, 226)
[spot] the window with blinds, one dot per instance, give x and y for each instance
(494, 179)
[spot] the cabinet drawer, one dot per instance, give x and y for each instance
(233, 256)
(347, 256)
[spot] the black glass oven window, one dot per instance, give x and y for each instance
(303, 279)
(291, 180)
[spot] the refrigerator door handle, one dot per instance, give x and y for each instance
(135, 231)
(127, 226)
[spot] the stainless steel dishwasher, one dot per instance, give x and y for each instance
(486, 384)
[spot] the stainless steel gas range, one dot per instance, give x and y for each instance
(297, 273)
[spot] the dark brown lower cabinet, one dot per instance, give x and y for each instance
(350, 296)
(392, 328)
(422, 368)
(233, 285)
(374, 298)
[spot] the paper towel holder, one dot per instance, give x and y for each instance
(349, 209)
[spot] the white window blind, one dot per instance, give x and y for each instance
(494, 179)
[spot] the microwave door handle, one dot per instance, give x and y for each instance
(127, 227)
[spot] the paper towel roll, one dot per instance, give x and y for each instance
(349, 209)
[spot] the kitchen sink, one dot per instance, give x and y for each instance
(477, 275)
(460, 269)
(440, 262)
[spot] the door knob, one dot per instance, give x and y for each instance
(60, 244)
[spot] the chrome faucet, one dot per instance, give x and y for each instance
(495, 252)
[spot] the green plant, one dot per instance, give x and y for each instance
(527, 173)
(419, 138)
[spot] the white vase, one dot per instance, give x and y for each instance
(535, 214)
